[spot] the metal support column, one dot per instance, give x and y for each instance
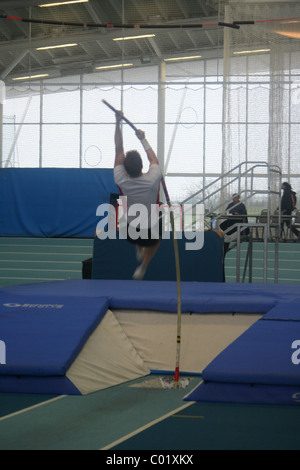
(161, 117)
(2, 98)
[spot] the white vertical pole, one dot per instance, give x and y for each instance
(2, 98)
(161, 102)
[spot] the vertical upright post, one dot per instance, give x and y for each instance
(178, 279)
(41, 125)
(1, 134)
(238, 254)
(250, 254)
(2, 98)
(161, 116)
(266, 230)
(81, 123)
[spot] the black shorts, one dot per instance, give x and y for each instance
(145, 241)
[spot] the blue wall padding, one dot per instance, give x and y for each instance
(116, 259)
(52, 202)
(42, 338)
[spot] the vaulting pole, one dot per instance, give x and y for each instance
(177, 263)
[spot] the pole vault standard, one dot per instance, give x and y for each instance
(177, 264)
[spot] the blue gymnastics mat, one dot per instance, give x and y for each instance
(43, 338)
(196, 297)
(261, 366)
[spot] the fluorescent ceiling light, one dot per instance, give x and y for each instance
(55, 47)
(183, 58)
(289, 22)
(29, 77)
(113, 66)
(62, 3)
(289, 34)
(253, 52)
(135, 37)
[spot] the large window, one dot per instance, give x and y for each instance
(65, 124)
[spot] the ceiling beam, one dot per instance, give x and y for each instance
(13, 64)
(20, 44)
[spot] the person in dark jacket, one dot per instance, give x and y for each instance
(234, 208)
(288, 204)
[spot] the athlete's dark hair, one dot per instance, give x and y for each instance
(133, 163)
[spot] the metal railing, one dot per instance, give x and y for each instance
(243, 177)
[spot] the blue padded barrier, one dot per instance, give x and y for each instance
(116, 259)
(52, 202)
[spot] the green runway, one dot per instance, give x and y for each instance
(207, 426)
(131, 417)
(89, 422)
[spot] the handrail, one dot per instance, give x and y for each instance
(255, 164)
(242, 171)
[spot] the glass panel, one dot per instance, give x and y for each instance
(22, 149)
(60, 146)
(61, 107)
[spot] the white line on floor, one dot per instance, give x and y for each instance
(11, 415)
(146, 426)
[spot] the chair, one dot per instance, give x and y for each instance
(262, 219)
(296, 221)
(274, 223)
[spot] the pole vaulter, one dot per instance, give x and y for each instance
(176, 252)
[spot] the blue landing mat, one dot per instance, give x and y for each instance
(261, 356)
(43, 336)
(244, 393)
(261, 366)
(197, 297)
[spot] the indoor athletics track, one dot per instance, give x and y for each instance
(135, 418)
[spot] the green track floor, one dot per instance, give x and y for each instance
(29, 260)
